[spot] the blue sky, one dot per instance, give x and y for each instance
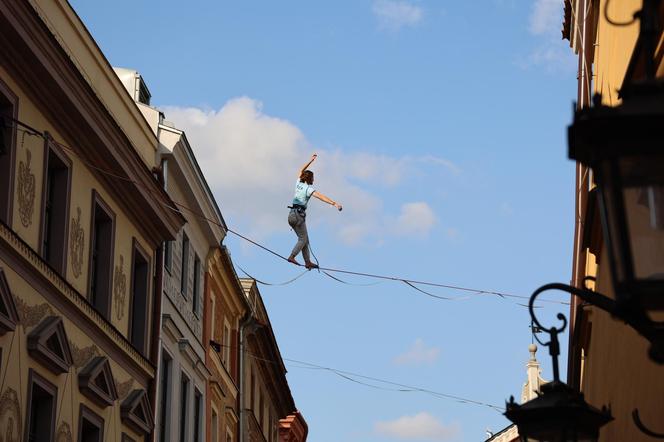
(439, 125)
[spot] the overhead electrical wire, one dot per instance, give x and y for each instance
(326, 270)
(353, 377)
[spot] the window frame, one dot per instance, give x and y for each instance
(35, 378)
(97, 200)
(165, 396)
(139, 251)
(198, 416)
(184, 268)
(50, 147)
(214, 424)
(226, 341)
(93, 418)
(168, 256)
(12, 98)
(185, 381)
(196, 286)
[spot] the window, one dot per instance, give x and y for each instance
(184, 394)
(101, 255)
(90, 427)
(197, 284)
(8, 110)
(260, 410)
(213, 314)
(184, 275)
(229, 435)
(55, 208)
(139, 298)
(168, 256)
(253, 390)
(41, 409)
(227, 345)
(214, 436)
(165, 396)
(143, 93)
(198, 423)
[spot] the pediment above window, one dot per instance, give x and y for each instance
(8, 312)
(96, 382)
(136, 412)
(48, 344)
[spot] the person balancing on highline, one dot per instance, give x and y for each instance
(297, 217)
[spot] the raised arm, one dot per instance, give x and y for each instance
(325, 199)
(313, 157)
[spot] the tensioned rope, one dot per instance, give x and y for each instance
(409, 282)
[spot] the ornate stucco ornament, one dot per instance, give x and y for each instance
(76, 244)
(26, 190)
(119, 289)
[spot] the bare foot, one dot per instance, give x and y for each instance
(292, 260)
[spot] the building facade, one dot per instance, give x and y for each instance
(83, 219)
(267, 409)
(529, 391)
(608, 360)
(184, 411)
(226, 306)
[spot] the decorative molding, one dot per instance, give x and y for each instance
(48, 344)
(76, 244)
(124, 387)
(119, 289)
(81, 356)
(59, 287)
(31, 315)
(136, 413)
(64, 433)
(10, 414)
(26, 190)
(9, 316)
(96, 382)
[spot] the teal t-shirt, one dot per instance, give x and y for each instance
(303, 192)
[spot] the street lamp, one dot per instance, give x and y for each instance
(624, 147)
(559, 413)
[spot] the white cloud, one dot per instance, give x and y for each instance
(550, 52)
(395, 14)
(546, 17)
(415, 219)
(422, 426)
(418, 354)
(250, 160)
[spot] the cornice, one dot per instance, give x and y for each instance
(37, 61)
(66, 26)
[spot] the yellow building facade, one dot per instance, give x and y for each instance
(83, 221)
(608, 360)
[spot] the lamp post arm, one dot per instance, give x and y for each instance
(630, 314)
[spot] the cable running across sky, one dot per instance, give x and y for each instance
(326, 270)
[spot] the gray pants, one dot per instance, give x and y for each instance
(297, 221)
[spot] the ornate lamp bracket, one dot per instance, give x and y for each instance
(631, 314)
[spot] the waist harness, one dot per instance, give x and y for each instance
(299, 208)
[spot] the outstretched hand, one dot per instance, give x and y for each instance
(313, 157)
